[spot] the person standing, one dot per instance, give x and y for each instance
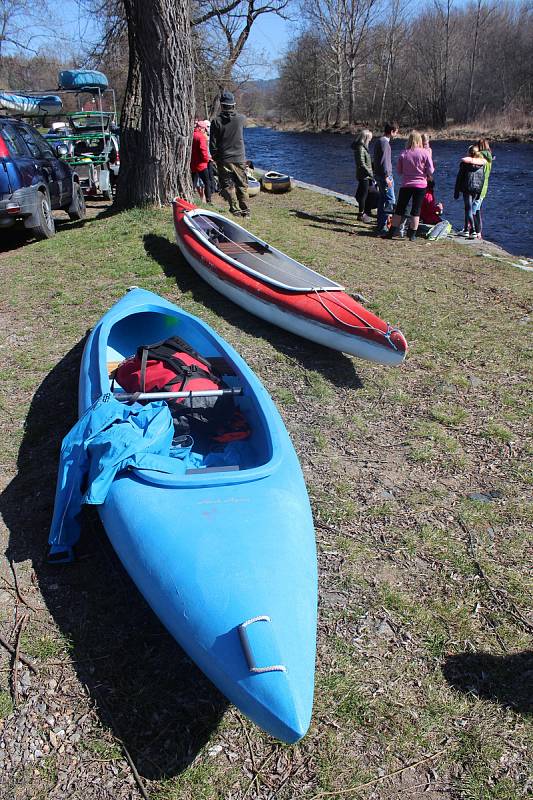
(200, 162)
(486, 152)
(415, 165)
(226, 142)
(469, 182)
(363, 171)
(383, 174)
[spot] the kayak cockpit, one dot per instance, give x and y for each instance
(244, 250)
(205, 459)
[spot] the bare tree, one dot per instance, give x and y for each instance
(397, 12)
(358, 16)
(227, 27)
(17, 18)
(328, 17)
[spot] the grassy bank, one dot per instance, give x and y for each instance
(422, 495)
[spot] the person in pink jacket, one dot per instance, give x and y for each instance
(415, 165)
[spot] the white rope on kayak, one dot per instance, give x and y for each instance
(246, 646)
(386, 334)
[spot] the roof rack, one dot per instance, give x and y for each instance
(96, 92)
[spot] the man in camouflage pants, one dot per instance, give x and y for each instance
(226, 144)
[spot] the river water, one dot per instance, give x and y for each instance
(325, 159)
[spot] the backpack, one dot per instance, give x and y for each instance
(439, 231)
(174, 366)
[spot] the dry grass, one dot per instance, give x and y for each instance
(514, 126)
(420, 484)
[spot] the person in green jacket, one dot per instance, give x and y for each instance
(486, 152)
(364, 172)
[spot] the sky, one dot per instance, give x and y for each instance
(270, 35)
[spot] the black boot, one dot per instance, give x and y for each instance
(392, 233)
(411, 235)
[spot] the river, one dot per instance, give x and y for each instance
(325, 159)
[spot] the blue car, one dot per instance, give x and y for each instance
(34, 181)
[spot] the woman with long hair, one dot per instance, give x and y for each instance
(469, 182)
(483, 146)
(415, 165)
(364, 172)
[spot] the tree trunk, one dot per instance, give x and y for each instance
(156, 121)
(473, 60)
(340, 86)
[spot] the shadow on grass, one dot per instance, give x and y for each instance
(506, 679)
(18, 236)
(323, 221)
(146, 690)
(333, 365)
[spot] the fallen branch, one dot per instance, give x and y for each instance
(355, 789)
(22, 658)
(261, 766)
(17, 588)
(16, 657)
(497, 594)
(120, 740)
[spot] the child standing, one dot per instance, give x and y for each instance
(431, 211)
(469, 183)
(364, 172)
(486, 152)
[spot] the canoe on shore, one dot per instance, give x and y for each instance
(275, 287)
(225, 552)
(254, 187)
(276, 182)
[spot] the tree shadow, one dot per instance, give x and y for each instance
(506, 679)
(335, 366)
(143, 685)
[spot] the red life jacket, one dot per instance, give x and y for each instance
(170, 366)
(173, 366)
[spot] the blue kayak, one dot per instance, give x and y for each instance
(29, 105)
(82, 80)
(225, 556)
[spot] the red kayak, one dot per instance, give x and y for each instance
(275, 287)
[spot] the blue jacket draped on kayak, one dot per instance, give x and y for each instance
(110, 436)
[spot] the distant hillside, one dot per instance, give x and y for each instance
(271, 84)
(258, 98)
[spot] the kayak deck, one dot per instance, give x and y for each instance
(244, 250)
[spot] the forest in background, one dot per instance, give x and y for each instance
(439, 64)
(433, 64)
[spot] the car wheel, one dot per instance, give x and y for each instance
(45, 227)
(79, 210)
